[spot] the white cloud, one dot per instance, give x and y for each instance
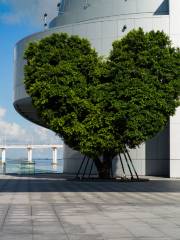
(2, 112)
(13, 133)
(42, 135)
(31, 11)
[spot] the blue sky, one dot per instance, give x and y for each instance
(19, 18)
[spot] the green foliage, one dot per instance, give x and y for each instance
(99, 106)
(145, 74)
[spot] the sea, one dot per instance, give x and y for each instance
(38, 166)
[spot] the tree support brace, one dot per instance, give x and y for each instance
(79, 170)
(132, 164)
(122, 165)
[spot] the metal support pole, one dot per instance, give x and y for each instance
(54, 152)
(91, 168)
(128, 165)
(29, 154)
(132, 164)
(85, 168)
(122, 165)
(80, 166)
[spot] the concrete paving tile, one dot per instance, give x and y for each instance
(154, 238)
(117, 235)
(17, 223)
(85, 237)
(18, 227)
(50, 237)
(171, 232)
(86, 210)
(48, 231)
(17, 231)
(120, 238)
(75, 230)
(146, 232)
(16, 237)
(114, 232)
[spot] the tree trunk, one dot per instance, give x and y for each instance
(104, 166)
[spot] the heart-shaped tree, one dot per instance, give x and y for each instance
(101, 106)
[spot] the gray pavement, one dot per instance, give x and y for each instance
(53, 208)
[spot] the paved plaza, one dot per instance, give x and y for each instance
(53, 208)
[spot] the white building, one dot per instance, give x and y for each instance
(102, 22)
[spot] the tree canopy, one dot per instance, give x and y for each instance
(145, 73)
(100, 106)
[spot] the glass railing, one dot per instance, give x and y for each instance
(37, 166)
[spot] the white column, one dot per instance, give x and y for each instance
(3, 155)
(54, 153)
(29, 154)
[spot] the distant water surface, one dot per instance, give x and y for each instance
(20, 166)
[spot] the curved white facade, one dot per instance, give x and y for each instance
(102, 22)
